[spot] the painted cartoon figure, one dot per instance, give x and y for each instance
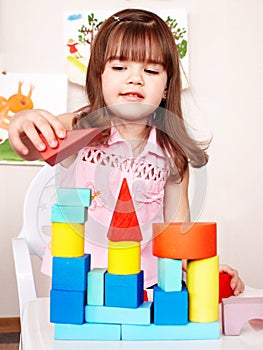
(15, 103)
(72, 44)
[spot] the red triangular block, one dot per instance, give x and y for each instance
(74, 141)
(124, 223)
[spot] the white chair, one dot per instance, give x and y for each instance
(35, 234)
(36, 330)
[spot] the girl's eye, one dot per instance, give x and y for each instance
(118, 68)
(151, 71)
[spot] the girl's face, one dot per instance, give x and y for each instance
(133, 90)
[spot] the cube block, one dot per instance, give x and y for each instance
(124, 290)
(170, 274)
(170, 308)
(74, 196)
(70, 273)
(67, 306)
(68, 214)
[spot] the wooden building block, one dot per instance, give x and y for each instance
(124, 290)
(67, 239)
(170, 308)
(170, 274)
(124, 258)
(67, 306)
(96, 286)
(70, 273)
(74, 141)
(190, 241)
(124, 224)
(119, 315)
(87, 331)
(68, 214)
(74, 196)
(203, 288)
(190, 331)
(236, 311)
(225, 290)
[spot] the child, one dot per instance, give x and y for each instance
(133, 86)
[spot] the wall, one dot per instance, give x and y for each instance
(224, 101)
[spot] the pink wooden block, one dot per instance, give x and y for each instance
(236, 311)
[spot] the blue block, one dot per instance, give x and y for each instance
(87, 331)
(108, 314)
(74, 196)
(67, 306)
(69, 214)
(191, 331)
(170, 274)
(70, 273)
(170, 308)
(96, 286)
(124, 290)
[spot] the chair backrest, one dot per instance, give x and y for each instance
(36, 216)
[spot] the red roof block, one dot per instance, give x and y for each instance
(74, 141)
(124, 223)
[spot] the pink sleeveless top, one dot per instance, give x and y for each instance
(102, 168)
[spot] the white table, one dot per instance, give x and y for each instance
(38, 334)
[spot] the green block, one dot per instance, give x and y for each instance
(68, 214)
(95, 295)
(74, 196)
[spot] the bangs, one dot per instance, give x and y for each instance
(136, 42)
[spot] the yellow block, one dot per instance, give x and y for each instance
(67, 239)
(124, 258)
(203, 289)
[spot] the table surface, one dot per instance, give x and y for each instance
(39, 334)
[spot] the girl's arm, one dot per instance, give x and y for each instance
(176, 208)
(26, 125)
(176, 202)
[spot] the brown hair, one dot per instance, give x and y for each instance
(140, 35)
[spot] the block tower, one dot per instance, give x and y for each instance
(70, 265)
(198, 299)
(124, 279)
(115, 309)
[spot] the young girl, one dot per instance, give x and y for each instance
(133, 86)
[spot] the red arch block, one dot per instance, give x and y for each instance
(177, 240)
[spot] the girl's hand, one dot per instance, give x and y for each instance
(24, 131)
(236, 283)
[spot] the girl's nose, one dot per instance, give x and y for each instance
(135, 78)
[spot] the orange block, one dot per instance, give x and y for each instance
(71, 144)
(177, 240)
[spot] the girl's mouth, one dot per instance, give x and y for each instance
(132, 95)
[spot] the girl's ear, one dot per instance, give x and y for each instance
(165, 94)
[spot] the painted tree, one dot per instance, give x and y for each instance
(178, 34)
(88, 33)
